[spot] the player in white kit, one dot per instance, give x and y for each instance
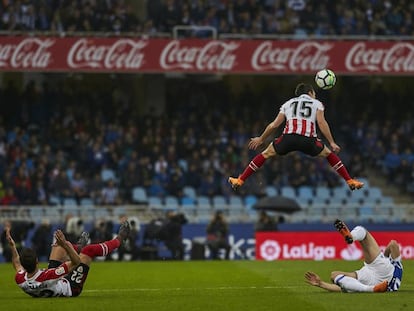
(302, 114)
(382, 270)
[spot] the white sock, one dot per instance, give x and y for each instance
(359, 233)
(350, 285)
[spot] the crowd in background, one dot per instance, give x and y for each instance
(60, 140)
(295, 17)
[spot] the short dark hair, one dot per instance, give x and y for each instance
(28, 259)
(303, 88)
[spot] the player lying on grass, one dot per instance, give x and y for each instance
(67, 270)
(382, 271)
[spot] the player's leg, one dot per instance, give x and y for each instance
(58, 254)
(255, 164)
(336, 163)
(103, 249)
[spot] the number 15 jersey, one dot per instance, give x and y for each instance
(300, 113)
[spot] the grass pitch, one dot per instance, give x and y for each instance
(208, 285)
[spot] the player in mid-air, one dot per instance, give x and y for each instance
(67, 270)
(382, 271)
(302, 114)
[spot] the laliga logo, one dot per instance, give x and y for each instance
(351, 253)
(270, 250)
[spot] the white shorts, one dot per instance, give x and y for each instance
(376, 272)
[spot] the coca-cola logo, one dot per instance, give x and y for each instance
(304, 57)
(396, 58)
(29, 53)
(119, 54)
(213, 56)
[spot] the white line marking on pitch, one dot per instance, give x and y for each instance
(187, 288)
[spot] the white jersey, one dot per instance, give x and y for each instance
(45, 283)
(300, 115)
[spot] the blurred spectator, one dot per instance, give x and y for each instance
(130, 245)
(110, 194)
(102, 231)
(265, 223)
(217, 236)
(42, 239)
(173, 234)
(74, 226)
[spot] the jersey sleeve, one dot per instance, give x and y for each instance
(320, 106)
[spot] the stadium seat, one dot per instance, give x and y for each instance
(189, 192)
(374, 194)
(139, 195)
(219, 202)
(154, 202)
(171, 202)
(340, 194)
(107, 174)
(86, 202)
(271, 191)
(289, 192)
(203, 201)
(323, 193)
(250, 201)
(69, 202)
(305, 195)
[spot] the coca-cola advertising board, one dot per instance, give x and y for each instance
(323, 245)
(129, 55)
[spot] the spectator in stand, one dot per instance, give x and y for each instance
(9, 198)
(217, 236)
(110, 194)
(60, 185)
(79, 187)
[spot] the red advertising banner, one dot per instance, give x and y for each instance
(129, 55)
(323, 245)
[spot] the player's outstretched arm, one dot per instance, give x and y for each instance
(15, 254)
(256, 142)
(326, 131)
(314, 280)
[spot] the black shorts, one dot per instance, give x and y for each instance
(292, 142)
(76, 278)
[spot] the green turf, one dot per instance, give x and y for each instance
(207, 285)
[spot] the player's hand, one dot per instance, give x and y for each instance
(60, 238)
(335, 148)
(312, 278)
(9, 238)
(255, 142)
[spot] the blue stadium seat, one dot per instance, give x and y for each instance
(154, 202)
(289, 192)
(219, 202)
(107, 174)
(139, 195)
(249, 201)
(190, 192)
(305, 195)
(171, 202)
(271, 191)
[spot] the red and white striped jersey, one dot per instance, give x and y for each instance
(45, 283)
(300, 115)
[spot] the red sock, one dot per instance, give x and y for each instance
(76, 247)
(338, 166)
(101, 249)
(253, 166)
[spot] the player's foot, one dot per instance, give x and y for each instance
(354, 184)
(381, 287)
(344, 231)
(235, 182)
(83, 240)
(124, 231)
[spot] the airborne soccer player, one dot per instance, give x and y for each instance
(302, 114)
